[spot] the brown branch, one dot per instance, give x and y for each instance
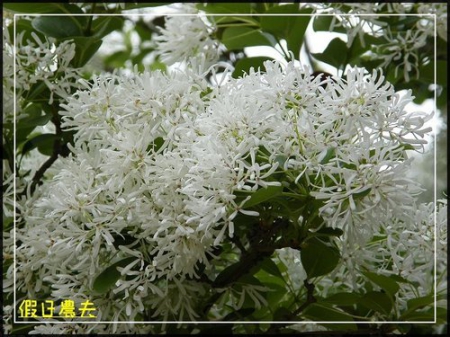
(309, 298)
(58, 149)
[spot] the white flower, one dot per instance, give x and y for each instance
(187, 36)
(47, 62)
(158, 164)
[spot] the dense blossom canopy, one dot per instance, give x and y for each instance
(180, 182)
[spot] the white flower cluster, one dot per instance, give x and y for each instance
(36, 61)
(187, 36)
(44, 61)
(402, 45)
(157, 162)
(404, 249)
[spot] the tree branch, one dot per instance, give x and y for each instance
(58, 149)
(309, 300)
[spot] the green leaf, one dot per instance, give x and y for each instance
(37, 90)
(262, 195)
(237, 21)
(343, 299)
(156, 145)
(32, 116)
(377, 301)
(357, 49)
(85, 48)
(225, 8)
(418, 303)
(104, 25)
(323, 23)
(318, 258)
(275, 294)
(26, 125)
(7, 223)
(335, 54)
(420, 316)
(249, 279)
(331, 152)
(282, 314)
(60, 26)
(43, 142)
(133, 5)
(326, 312)
(328, 231)
(108, 277)
(158, 65)
(237, 315)
(25, 28)
(384, 282)
(399, 278)
(270, 267)
(41, 8)
(288, 27)
(118, 58)
(240, 37)
(244, 65)
(226, 274)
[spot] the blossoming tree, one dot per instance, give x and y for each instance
(179, 183)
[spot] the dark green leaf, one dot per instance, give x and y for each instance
(244, 65)
(44, 143)
(118, 58)
(240, 37)
(156, 145)
(318, 258)
(326, 312)
(357, 49)
(60, 26)
(377, 301)
(85, 48)
(108, 277)
(343, 299)
(227, 274)
(25, 28)
(328, 231)
(269, 266)
(238, 315)
(262, 195)
(41, 8)
(399, 278)
(362, 194)
(143, 30)
(7, 223)
(323, 23)
(289, 27)
(30, 118)
(418, 303)
(335, 54)
(133, 5)
(282, 314)
(384, 282)
(331, 151)
(275, 294)
(424, 316)
(280, 25)
(37, 90)
(223, 8)
(237, 21)
(104, 25)
(250, 279)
